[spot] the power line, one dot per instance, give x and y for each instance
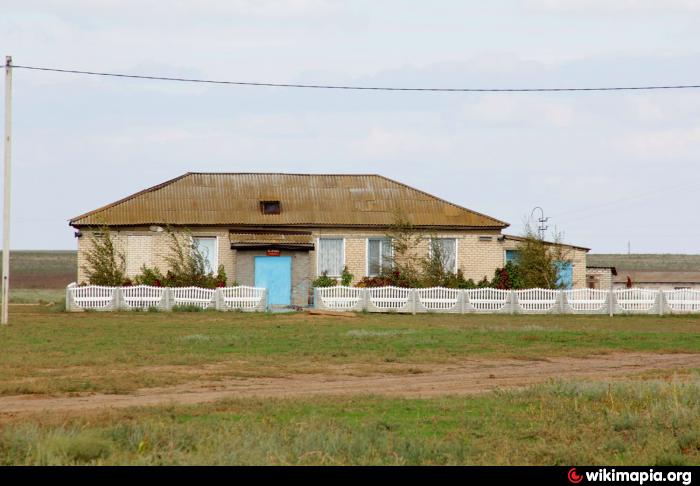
(365, 88)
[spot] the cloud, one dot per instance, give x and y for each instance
(674, 143)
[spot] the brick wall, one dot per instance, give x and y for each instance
(479, 253)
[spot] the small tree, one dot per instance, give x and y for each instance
(105, 264)
(188, 265)
(537, 260)
(404, 240)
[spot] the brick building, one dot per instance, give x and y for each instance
(283, 230)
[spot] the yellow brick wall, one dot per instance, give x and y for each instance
(479, 253)
(155, 249)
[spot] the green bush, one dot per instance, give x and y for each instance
(346, 277)
(324, 281)
(105, 265)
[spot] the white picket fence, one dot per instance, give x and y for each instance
(394, 299)
(143, 297)
(526, 301)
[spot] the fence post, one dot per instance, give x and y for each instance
(118, 299)
(69, 297)
(611, 302)
(512, 301)
(316, 298)
(660, 302)
(412, 301)
(365, 299)
(218, 299)
(562, 306)
(462, 298)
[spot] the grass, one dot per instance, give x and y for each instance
(37, 296)
(54, 352)
(649, 422)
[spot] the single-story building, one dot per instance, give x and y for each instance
(649, 270)
(284, 230)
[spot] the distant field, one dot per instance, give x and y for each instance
(41, 276)
(45, 269)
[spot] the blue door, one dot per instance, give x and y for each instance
(275, 274)
(565, 275)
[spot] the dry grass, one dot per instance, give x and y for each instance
(652, 422)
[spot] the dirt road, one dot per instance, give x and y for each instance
(469, 377)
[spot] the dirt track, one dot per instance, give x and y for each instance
(469, 377)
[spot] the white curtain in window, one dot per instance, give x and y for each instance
(330, 256)
(207, 247)
(448, 252)
(378, 256)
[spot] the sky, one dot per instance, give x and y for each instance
(608, 168)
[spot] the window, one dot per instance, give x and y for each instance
(512, 256)
(379, 256)
(208, 247)
(270, 207)
(565, 275)
(330, 256)
(447, 248)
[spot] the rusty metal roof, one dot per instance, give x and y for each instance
(306, 200)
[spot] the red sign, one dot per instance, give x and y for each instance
(273, 253)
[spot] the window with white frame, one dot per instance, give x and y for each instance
(447, 249)
(379, 256)
(330, 256)
(207, 246)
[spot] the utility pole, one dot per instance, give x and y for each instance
(6, 200)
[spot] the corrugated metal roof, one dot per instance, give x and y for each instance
(521, 238)
(651, 276)
(647, 261)
(305, 199)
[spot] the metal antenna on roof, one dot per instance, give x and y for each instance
(541, 222)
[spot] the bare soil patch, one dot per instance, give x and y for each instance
(397, 380)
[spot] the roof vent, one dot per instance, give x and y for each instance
(270, 207)
(485, 238)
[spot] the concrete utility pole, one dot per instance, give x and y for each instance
(6, 201)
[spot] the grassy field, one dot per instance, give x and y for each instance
(645, 418)
(653, 422)
(120, 352)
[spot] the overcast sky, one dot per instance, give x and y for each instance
(607, 167)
